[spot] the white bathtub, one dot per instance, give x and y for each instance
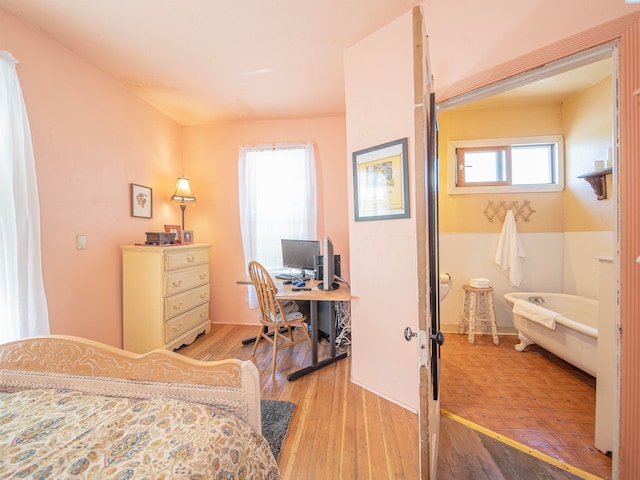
(575, 338)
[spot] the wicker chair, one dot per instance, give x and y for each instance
(275, 322)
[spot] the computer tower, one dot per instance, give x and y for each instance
(326, 315)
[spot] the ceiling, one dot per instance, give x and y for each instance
(550, 90)
(209, 61)
(212, 61)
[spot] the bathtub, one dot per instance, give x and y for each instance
(575, 338)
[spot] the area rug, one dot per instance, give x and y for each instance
(276, 416)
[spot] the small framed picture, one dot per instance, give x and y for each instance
(141, 201)
(187, 237)
(380, 182)
(176, 230)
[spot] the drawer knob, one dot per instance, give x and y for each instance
(178, 283)
(191, 259)
(177, 306)
(203, 276)
(177, 328)
(203, 314)
(204, 295)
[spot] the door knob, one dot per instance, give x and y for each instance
(438, 337)
(409, 334)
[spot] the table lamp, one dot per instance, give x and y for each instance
(183, 195)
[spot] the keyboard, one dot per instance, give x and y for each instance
(289, 276)
(285, 276)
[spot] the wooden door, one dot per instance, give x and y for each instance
(426, 185)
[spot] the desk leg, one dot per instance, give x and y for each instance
(315, 365)
(332, 335)
(313, 306)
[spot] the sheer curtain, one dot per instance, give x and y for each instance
(277, 185)
(23, 307)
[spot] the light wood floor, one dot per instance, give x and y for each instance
(342, 431)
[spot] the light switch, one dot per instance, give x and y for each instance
(82, 242)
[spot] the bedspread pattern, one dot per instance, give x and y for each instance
(67, 434)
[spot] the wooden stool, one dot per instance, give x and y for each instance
(478, 307)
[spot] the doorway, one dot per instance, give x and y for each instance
(574, 98)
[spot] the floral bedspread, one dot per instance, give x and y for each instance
(59, 434)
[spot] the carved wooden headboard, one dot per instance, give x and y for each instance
(79, 364)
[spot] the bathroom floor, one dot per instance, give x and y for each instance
(533, 397)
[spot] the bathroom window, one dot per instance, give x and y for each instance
(532, 164)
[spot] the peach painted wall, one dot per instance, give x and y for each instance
(91, 139)
(379, 102)
(474, 36)
(211, 162)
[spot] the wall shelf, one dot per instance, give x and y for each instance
(598, 182)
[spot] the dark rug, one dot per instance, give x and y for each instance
(276, 416)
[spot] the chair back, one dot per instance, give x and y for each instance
(271, 310)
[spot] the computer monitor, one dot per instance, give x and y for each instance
(300, 254)
(328, 273)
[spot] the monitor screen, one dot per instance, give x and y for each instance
(300, 253)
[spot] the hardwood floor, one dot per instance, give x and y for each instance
(342, 431)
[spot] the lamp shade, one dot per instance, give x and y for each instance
(183, 191)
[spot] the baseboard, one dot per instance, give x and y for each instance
(502, 329)
(406, 407)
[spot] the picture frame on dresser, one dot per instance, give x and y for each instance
(141, 201)
(176, 230)
(187, 237)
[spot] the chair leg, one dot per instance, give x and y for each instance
(303, 327)
(258, 338)
(275, 352)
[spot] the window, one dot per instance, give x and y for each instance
(277, 186)
(533, 164)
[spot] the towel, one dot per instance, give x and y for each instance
(510, 251)
(480, 283)
(536, 313)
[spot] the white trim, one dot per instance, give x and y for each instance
(453, 189)
(546, 71)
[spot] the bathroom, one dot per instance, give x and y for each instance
(564, 233)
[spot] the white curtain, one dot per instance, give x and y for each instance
(277, 185)
(23, 306)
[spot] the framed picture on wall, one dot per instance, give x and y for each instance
(380, 182)
(176, 230)
(141, 201)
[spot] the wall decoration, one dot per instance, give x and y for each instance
(141, 201)
(176, 230)
(187, 237)
(380, 182)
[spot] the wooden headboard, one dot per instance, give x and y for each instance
(62, 361)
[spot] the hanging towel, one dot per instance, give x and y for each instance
(510, 251)
(536, 313)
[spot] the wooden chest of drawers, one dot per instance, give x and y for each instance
(165, 296)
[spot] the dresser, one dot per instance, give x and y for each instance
(165, 292)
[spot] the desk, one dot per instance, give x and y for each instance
(313, 296)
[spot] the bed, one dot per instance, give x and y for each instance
(73, 408)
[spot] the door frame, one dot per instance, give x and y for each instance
(625, 31)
